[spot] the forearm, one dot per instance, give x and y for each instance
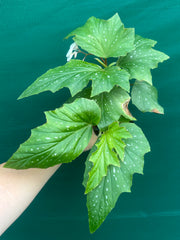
(18, 188)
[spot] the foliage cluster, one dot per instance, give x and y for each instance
(118, 58)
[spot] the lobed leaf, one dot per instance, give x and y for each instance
(63, 138)
(144, 97)
(104, 38)
(75, 75)
(102, 199)
(143, 58)
(110, 149)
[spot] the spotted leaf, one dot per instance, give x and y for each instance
(113, 105)
(75, 75)
(63, 138)
(102, 199)
(104, 38)
(110, 150)
(143, 58)
(144, 97)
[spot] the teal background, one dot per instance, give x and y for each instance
(31, 42)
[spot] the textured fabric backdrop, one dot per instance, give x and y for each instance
(31, 42)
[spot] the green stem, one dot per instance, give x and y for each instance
(112, 64)
(103, 64)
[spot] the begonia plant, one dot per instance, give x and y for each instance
(111, 66)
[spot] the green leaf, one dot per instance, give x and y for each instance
(144, 97)
(113, 105)
(105, 79)
(110, 149)
(102, 199)
(63, 138)
(139, 61)
(104, 38)
(75, 75)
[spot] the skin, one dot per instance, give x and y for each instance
(18, 188)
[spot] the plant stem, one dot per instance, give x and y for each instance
(86, 56)
(102, 63)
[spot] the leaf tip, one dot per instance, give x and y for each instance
(24, 95)
(86, 191)
(155, 110)
(92, 230)
(93, 227)
(20, 97)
